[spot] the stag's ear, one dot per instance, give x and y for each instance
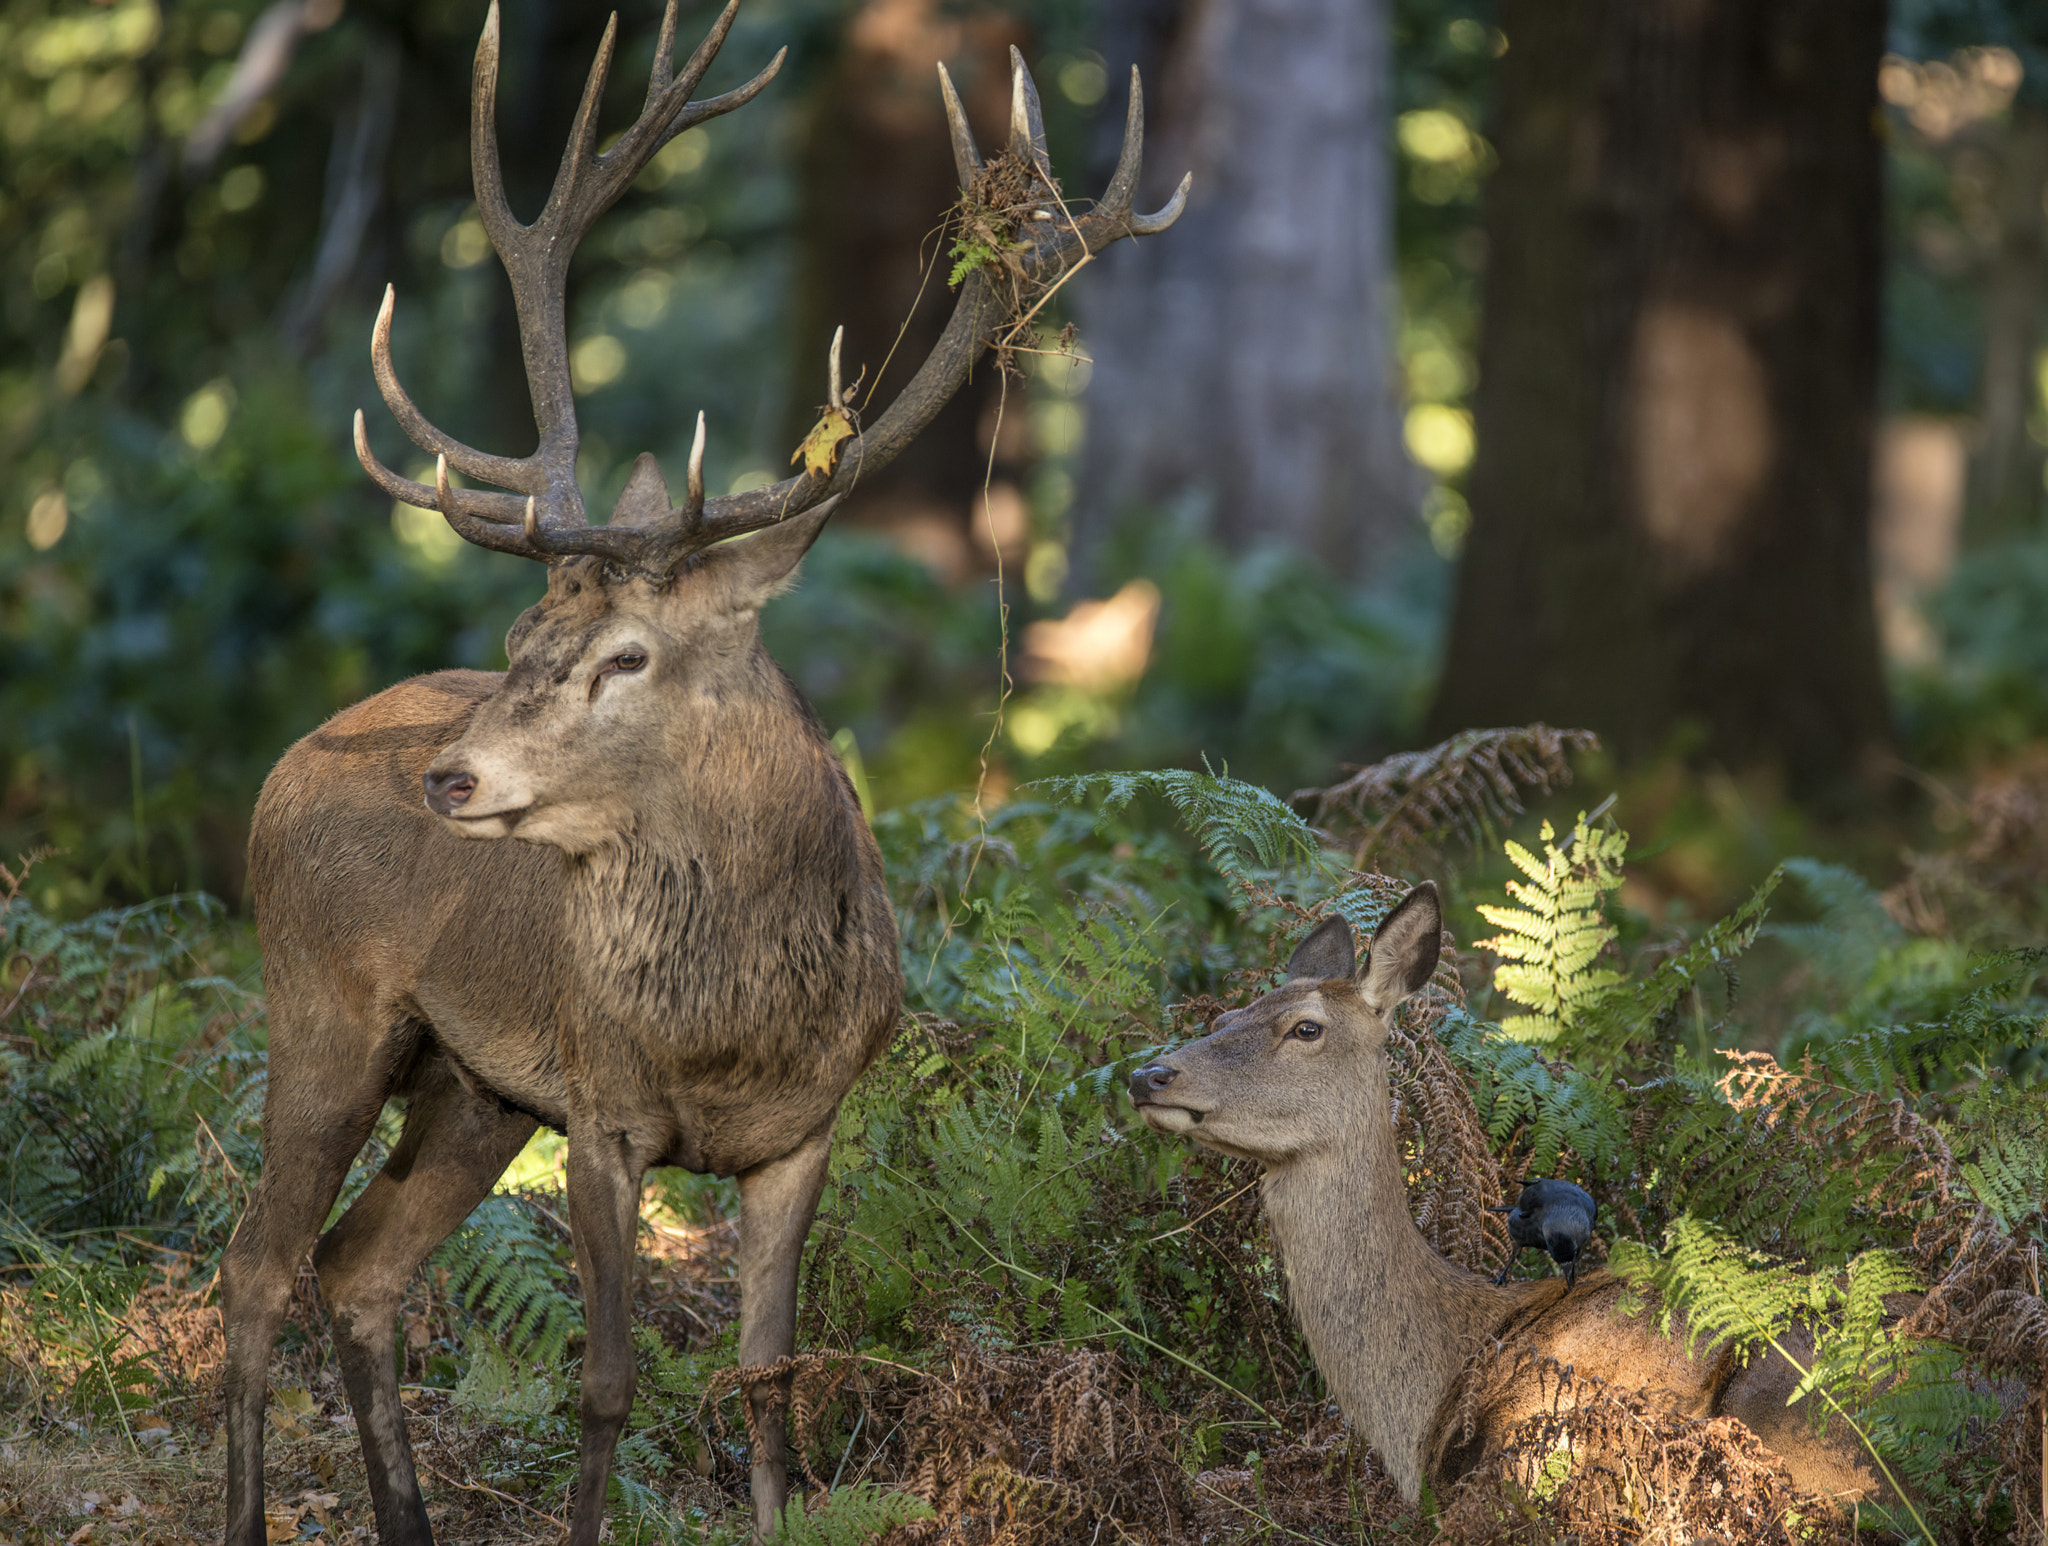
(1324, 954)
(1404, 950)
(748, 571)
(644, 499)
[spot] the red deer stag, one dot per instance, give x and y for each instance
(687, 957)
(1298, 1081)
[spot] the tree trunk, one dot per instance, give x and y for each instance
(878, 182)
(1245, 358)
(2006, 492)
(1671, 499)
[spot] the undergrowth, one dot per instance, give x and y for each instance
(1023, 1318)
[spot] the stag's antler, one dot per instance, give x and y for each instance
(545, 517)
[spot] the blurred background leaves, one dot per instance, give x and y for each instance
(201, 202)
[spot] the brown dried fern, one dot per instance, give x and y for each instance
(1638, 1473)
(1399, 812)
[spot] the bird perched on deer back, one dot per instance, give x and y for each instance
(1554, 1216)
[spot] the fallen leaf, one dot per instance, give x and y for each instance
(320, 1504)
(82, 1533)
(821, 446)
(282, 1524)
(294, 1404)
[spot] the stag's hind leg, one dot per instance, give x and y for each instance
(455, 1145)
(315, 1121)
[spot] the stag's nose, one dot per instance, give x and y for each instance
(1150, 1079)
(448, 789)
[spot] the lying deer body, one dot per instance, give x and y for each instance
(684, 957)
(1298, 1081)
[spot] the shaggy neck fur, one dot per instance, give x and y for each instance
(1389, 1320)
(738, 882)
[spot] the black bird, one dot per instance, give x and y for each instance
(1554, 1216)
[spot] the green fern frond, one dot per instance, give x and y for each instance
(1633, 1014)
(849, 1516)
(511, 1273)
(1240, 827)
(1548, 945)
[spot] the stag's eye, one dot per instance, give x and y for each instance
(621, 664)
(1305, 1030)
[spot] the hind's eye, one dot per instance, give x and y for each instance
(1305, 1030)
(631, 660)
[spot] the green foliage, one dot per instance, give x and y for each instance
(1549, 1108)
(1631, 1021)
(503, 1388)
(1911, 1404)
(1241, 827)
(131, 1075)
(511, 1269)
(1551, 942)
(849, 1516)
(986, 1184)
(967, 256)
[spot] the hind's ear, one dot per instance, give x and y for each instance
(1326, 953)
(1404, 950)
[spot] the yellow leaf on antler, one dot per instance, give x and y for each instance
(821, 446)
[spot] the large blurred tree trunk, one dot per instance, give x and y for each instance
(2005, 497)
(1671, 499)
(1245, 357)
(878, 182)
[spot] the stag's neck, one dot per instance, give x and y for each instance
(1389, 1320)
(753, 856)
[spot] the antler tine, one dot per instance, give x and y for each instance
(966, 159)
(1123, 184)
(483, 505)
(707, 49)
(567, 212)
(693, 494)
(504, 471)
(1153, 224)
(490, 520)
(484, 168)
(694, 113)
(1027, 120)
(664, 55)
(717, 107)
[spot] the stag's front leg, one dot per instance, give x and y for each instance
(777, 1202)
(605, 1168)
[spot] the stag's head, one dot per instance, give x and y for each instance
(1304, 1067)
(649, 620)
(618, 680)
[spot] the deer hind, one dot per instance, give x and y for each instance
(686, 958)
(1298, 1081)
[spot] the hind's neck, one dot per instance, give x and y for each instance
(1389, 1320)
